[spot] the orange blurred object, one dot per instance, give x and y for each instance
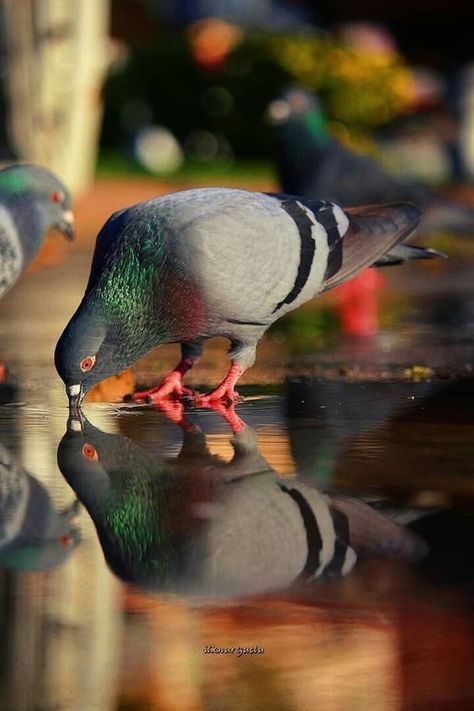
(112, 389)
(212, 40)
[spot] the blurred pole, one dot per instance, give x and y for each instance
(54, 59)
(7, 151)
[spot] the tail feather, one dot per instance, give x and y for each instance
(371, 533)
(404, 252)
(373, 231)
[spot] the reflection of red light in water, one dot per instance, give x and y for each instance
(358, 303)
(211, 42)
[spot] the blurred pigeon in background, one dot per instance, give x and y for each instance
(199, 525)
(313, 163)
(32, 201)
(215, 261)
(33, 534)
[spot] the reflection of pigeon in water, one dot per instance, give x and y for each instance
(215, 261)
(32, 201)
(33, 535)
(311, 162)
(199, 525)
(325, 417)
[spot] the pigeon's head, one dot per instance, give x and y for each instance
(94, 346)
(297, 109)
(24, 185)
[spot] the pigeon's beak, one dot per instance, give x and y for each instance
(75, 394)
(66, 224)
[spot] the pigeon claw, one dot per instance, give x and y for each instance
(226, 397)
(171, 387)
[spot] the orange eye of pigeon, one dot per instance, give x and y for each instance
(56, 196)
(90, 452)
(87, 363)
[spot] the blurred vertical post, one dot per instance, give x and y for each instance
(54, 57)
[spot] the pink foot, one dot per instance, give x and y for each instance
(223, 396)
(170, 387)
(224, 392)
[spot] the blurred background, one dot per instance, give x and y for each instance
(181, 88)
(126, 99)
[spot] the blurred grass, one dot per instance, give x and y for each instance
(117, 163)
(307, 328)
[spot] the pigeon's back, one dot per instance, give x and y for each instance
(242, 249)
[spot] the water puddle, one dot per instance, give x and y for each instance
(323, 551)
(318, 556)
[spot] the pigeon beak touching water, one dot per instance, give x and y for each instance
(75, 395)
(191, 265)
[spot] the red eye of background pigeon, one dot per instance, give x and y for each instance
(90, 452)
(56, 196)
(87, 363)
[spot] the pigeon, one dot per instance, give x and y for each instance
(196, 524)
(32, 201)
(33, 534)
(215, 262)
(311, 162)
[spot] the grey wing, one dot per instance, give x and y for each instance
(248, 253)
(11, 253)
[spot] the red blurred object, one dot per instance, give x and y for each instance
(212, 40)
(358, 303)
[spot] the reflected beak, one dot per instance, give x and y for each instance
(75, 394)
(75, 421)
(66, 225)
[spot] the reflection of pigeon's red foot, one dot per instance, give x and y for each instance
(170, 387)
(224, 392)
(3, 372)
(229, 414)
(174, 411)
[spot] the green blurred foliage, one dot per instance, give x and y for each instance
(307, 329)
(359, 91)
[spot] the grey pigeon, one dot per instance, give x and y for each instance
(196, 524)
(215, 261)
(33, 534)
(32, 201)
(311, 162)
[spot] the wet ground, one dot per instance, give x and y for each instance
(151, 565)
